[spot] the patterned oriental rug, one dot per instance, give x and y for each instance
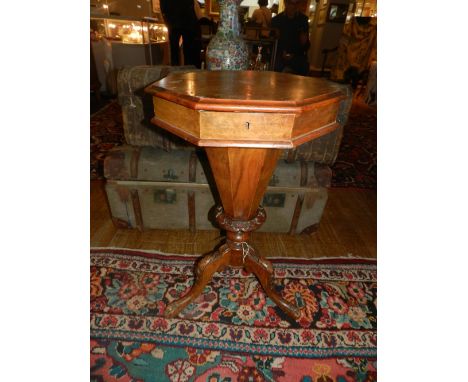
(106, 133)
(233, 332)
(356, 164)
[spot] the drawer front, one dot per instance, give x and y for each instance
(245, 126)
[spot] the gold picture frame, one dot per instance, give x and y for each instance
(212, 7)
(322, 16)
(337, 13)
(156, 6)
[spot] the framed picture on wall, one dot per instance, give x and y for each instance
(156, 6)
(322, 16)
(212, 7)
(337, 13)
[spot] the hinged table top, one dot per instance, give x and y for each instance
(246, 108)
(244, 90)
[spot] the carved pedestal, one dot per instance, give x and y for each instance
(241, 175)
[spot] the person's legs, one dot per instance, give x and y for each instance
(279, 64)
(174, 36)
(192, 47)
(300, 65)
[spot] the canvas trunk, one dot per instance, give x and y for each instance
(149, 188)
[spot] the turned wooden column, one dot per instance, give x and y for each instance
(243, 119)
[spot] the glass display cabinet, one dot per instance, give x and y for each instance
(121, 42)
(129, 31)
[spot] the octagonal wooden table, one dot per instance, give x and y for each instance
(243, 119)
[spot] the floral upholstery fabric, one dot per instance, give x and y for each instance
(137, 107)
(357, 48)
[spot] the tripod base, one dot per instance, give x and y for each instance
(226, 256)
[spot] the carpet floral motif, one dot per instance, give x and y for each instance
(233, 332)
(107, 132)
(125, 361)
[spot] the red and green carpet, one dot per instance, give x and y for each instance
(233, 332)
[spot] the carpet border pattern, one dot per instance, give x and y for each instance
(302, 343)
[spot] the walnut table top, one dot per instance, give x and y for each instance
(246, 108)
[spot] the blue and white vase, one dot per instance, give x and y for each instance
(227, 50)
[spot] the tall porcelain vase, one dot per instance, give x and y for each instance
(227, 50)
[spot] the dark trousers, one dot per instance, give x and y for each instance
(191, 44)
(298, 64)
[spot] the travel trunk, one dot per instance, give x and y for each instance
(149, 188)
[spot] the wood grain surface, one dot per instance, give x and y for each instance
(244, 90)
(246, 109)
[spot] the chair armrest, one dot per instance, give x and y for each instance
(137, 106)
